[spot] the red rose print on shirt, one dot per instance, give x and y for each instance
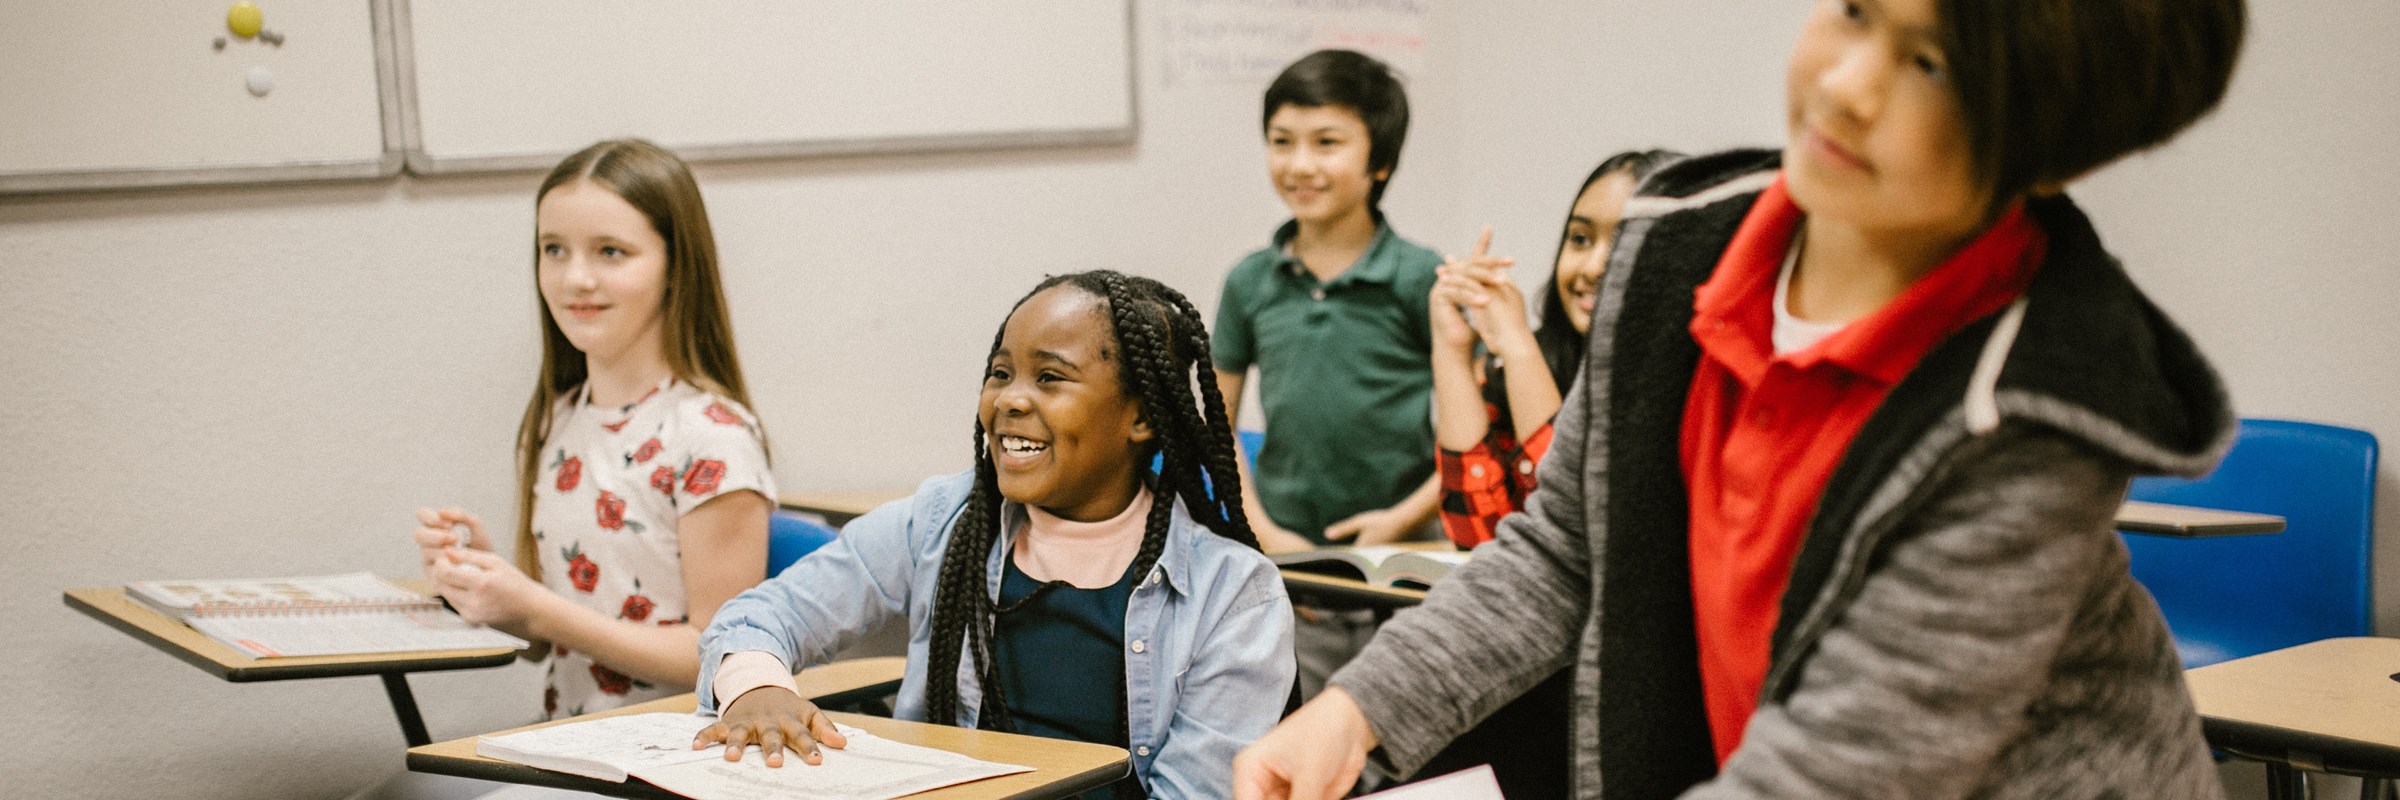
(570, 473)
(611, 682)
(718, 413)
(559, 650)
(648, 450)
(580, 570)
(616, 426)
(663, 479)
(703, 476)
(611, 509)
(550, 702)
(637, 607)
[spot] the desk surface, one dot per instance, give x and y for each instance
(2159, 518)
(1061, 768)
(2336, 698)
(111, 606)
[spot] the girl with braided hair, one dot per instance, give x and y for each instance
(1064, 587)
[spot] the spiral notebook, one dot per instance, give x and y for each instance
(320, 615)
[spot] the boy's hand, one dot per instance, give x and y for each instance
(1380, 526)
(774, 719)
(1315, 754)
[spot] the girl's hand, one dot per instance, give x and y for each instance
(1501, 317)
(1445, 305)
(774, 720)
(436, 533)
(1462, 280)
(484, 588)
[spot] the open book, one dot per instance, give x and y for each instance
(1382, 565)
(316, 616)
(657, 747)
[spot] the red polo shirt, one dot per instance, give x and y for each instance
(1762, 432)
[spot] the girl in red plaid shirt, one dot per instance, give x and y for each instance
(1492, 423)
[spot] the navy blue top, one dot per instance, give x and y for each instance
(1062, 659)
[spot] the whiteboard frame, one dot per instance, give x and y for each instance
(419, 162)
(384, 165)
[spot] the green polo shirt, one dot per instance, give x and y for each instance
(1344, 371)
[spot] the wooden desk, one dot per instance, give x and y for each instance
(1060, 768)
(111, 606)
(840, 506)
(2187, 521)
(2328, 706)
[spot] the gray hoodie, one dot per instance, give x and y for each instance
(1959, 621)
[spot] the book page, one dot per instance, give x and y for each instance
(657, 748)
(1475, 783)
(350, 633)
(870, 768)
(1419, 568)
(357, 589)
(607, 748)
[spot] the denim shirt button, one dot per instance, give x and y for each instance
(1138, 646)
(1143, 751)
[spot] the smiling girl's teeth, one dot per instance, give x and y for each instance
(1019, 446)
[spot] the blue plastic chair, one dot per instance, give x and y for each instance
(1251, 442)
(2234, 596)
(790, 536)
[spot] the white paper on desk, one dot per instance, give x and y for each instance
(398, 631)
(607, 748)
(870, 768)
(1465, 784)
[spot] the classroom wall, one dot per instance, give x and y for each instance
(266, 380)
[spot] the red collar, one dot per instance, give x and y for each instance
(1734, 315)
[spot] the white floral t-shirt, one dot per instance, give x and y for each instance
(613, 483)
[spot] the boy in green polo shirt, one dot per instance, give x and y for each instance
(1333, 315)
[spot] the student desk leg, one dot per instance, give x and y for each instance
(404, 706)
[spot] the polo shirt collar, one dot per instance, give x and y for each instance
(1734, 319)
(1375, 265)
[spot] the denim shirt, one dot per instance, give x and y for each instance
(1208, 632)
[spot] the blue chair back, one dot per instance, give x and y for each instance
(2233, 596)
(790, 536)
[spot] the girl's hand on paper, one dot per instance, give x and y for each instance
(774, 719)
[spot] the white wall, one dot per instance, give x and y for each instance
(238, 381)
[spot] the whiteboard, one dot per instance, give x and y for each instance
(518, 85)
(110, 94)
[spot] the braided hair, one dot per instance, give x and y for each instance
(1162, 357)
